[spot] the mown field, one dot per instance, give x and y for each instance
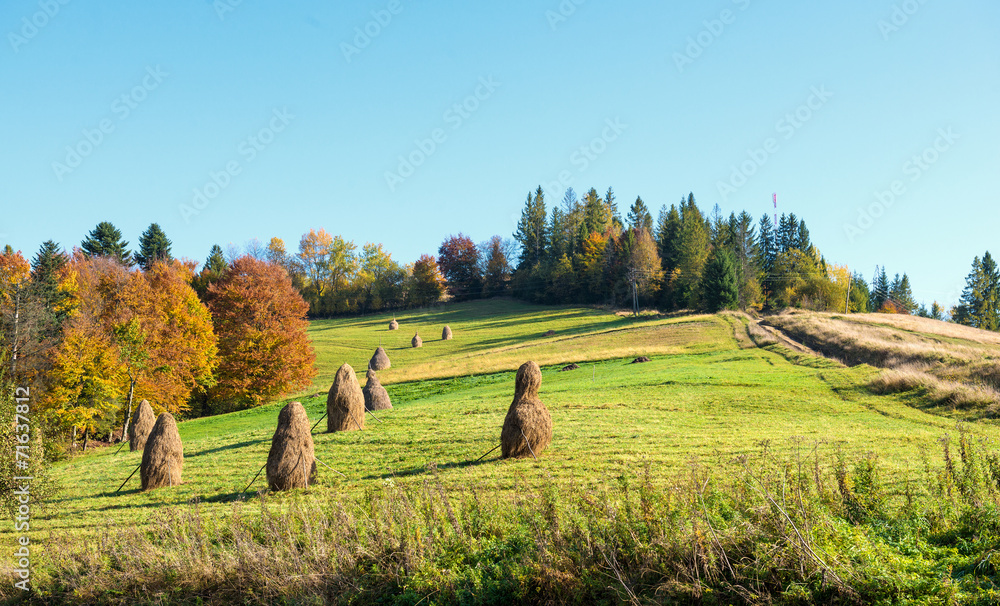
(718, 472)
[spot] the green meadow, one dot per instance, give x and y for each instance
(709, 404)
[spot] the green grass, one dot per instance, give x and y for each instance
(705, 396)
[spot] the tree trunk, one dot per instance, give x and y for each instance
(86, 438)
(128, 415)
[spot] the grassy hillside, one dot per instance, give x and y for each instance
(956, 369)
(711, 417)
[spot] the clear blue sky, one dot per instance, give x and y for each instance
(692, 87)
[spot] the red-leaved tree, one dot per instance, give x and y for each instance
(260, 320)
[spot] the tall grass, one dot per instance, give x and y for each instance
(954, 366)
(804, 528)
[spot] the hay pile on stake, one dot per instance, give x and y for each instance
(446, 334)
(142, 423)
(379, 361)
(527, 430)
(376, 397)
(291, 463)
(394, 325)
(345, 404)
(416, 341)
(163, 455)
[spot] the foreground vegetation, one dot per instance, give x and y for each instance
(721, 471)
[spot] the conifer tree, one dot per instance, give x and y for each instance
(639, 216)
(153, 246)
(106, 241)
(718, 286)
(532, 230)
(980, 302)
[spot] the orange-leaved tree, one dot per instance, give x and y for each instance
(164, 337)
(264, 350)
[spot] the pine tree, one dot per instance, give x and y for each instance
(767, 248)
(558, 240)
(802, 240)
(532, 230)
(860, 295)
(668, 230)
(937, 311)
(980, 302)
(153, 246)
(901, 294)
(718, 286)
(595, 216)
(639, 216)
(879, 291)
(45, 268)
(614, 220)
(692, 255)
(106, 241)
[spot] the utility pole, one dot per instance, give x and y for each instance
(850, 282)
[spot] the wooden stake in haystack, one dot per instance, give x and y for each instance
(142, 423)
(163, 455)
(527, 430)
(376, 397)
(291, 463)
(345, 404)
(446, 334)
(380, 361)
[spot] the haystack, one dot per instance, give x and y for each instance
(394, 325)
(376, 397)
(142, 423)
(163, 455)
(292, 460)
(379, 361)
(345, 404)
(528, 421)
(550, 333)
(569, 367)
(446, 334)
(416, 341)
(640, 360)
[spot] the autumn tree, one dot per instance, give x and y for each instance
(458, 260)
(426, 282)
(260, 321)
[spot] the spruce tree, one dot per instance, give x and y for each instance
(153, 246)
(532, 231)
(767, 247)
(106, 241)
(980, 302)
(718, 285)
(879, 291)
(668, 232)
(216, 261)
(639, 216)
(901, 294)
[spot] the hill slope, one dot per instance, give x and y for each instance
(709, 405)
